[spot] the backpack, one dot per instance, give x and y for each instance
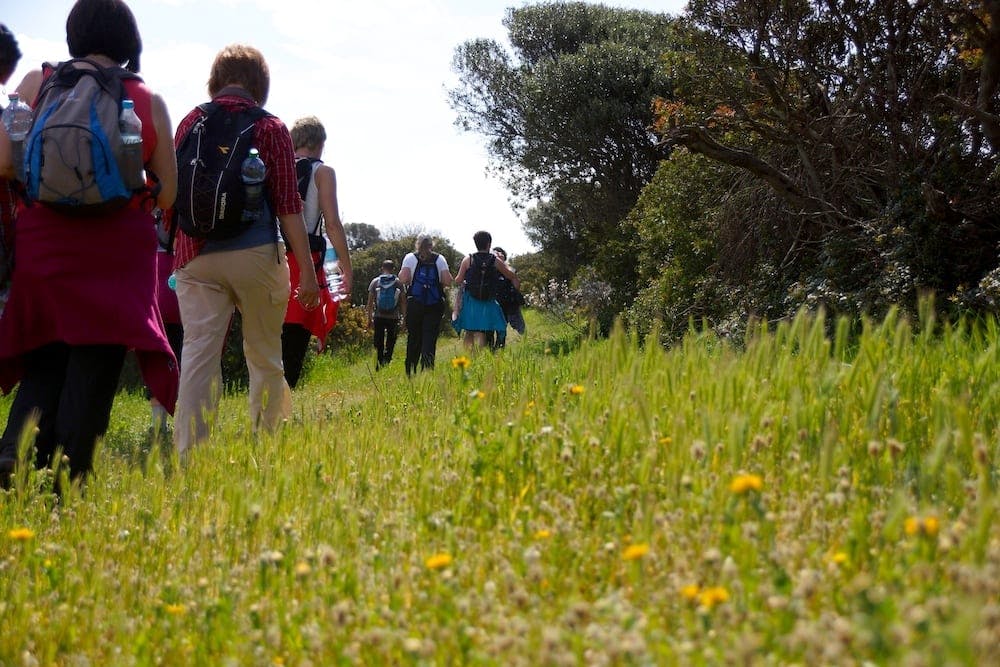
(481, 277)
(426, 285)
(305, 167)
(210, 190)
(388, 295)
(73, 157)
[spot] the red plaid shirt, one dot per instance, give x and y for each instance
(272, 139)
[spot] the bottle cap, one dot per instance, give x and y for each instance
(128, 104)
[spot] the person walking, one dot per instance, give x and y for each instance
(248, 272)
(476, 310)
(425, 274)
(83, 290)
(510, 300)
(385, 309)
(317, 184)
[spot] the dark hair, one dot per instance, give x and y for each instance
(497, 250)
(388, 264)
(9, 53)
(243, 66)
(106, 28)
(482, 240)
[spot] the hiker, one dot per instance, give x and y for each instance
(317, 184)
(425, 274)
(385, 309)
(10, 55)
(83, 289)
(476, 310)
(510, 300)
(217, 271)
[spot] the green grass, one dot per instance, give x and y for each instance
(802, 497)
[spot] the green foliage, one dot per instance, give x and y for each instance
(802, 499)
(566, 114)
(361, 235)
(834, 200)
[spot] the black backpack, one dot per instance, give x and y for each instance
(210, 191)
(481, 277)
(426, 285)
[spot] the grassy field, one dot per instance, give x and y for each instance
(811, 496)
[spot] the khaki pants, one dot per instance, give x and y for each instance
(255, 280)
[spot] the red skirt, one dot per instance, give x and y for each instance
(320, 320)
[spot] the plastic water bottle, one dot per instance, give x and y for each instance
(17, 122)
(252, 173)
(131, 130)
(172, 281)
(334, 277)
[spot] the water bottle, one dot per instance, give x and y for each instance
(252, 173)
(172, 281)
(17, 122)
(131, 130)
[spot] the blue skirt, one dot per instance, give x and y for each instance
(479, 315)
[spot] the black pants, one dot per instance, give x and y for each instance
(72, 388)
(386, 330)
(294, 344)
(423, 324)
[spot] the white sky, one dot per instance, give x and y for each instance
(375, 72)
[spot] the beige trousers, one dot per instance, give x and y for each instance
(209, 287)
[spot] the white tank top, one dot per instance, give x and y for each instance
(311, 213)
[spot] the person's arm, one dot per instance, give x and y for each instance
(326, 188)
(163, 162)
(29, 86)
(463, 267)
(294, 229)
(405, 272)
(508, 272)
(445, 274)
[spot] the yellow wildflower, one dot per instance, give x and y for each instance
(543, 534)
(477, 394)
(666, 440)
(928, 526)
(743, 483)
(21, 534)
(838, 558)
(712, 596)
(175, 609)
(302, 569)
(437, 561)
(460, 362)
(635, 551)
(690, 592)
(576, 389)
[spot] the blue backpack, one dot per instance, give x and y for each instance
(426, 285)
(388, 294)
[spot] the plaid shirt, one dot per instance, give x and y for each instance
(272, 139)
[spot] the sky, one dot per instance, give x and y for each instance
(375, 72)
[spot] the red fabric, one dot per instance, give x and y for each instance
(166, 298)
(320, 320)
(272, 139)
(86, 281)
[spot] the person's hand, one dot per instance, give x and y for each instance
(308, 291)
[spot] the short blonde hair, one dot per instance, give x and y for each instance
(308, 132)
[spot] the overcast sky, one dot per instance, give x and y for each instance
(375, 72)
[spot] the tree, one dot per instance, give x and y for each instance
(361, 235)
(864, 135)
(566, 115)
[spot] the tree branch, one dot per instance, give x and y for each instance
(697, 140)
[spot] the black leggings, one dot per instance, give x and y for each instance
(72, 389)
(294, 345)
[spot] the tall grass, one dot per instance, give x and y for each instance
(803, 497)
